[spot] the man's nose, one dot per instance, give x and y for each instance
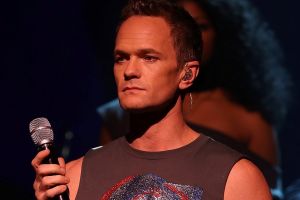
(132, 69)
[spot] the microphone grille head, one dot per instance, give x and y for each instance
(41, 131)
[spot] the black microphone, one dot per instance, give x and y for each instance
(42, 135)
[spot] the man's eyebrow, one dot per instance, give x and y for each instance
(139, 51)
(120, 52)
(148, 50)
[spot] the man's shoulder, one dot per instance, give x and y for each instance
(244, 169)
(73, 169)
(246, 180)
(220, 151)
(74, 164)
(107, 149)
(219, 158)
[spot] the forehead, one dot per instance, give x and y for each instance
(144, 30)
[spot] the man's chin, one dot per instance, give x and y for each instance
(135, 110)
(142, 109)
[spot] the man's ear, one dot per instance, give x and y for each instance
(188, 74)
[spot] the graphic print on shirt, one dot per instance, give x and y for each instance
(151, 187)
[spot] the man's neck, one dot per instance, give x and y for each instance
(160, 131)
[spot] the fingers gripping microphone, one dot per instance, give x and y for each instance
(42, 136)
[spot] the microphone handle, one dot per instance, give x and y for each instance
(52, 159)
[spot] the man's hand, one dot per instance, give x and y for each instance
(50, 179)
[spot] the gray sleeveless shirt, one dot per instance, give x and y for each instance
(116, 171)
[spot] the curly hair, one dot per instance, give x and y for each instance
(247, 62)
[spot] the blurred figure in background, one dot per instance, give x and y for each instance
(241, 95)
(292, 191)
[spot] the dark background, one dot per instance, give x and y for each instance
(50, 67)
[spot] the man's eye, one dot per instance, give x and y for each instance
(119, 59)
(150, 58)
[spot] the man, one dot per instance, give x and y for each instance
(156, 61)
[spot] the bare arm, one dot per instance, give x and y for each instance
(246, 182)
(74, 172)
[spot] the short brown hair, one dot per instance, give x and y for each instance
(184, 30)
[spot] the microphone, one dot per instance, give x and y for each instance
(42, 135)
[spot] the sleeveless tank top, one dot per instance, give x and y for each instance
(116, 171)
(117, 120)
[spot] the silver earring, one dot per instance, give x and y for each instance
(191, 100)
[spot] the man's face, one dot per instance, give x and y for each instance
(145, 68)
